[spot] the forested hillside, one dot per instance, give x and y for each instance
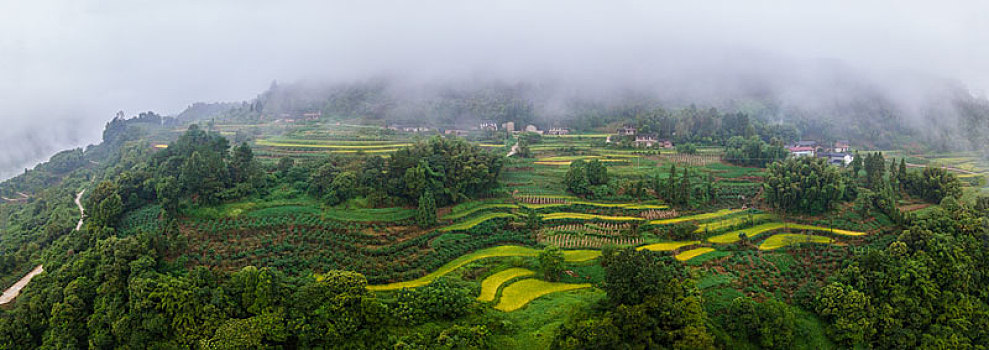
(244, 232)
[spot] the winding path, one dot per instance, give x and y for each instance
(15, 290)
(515, 149)
(82, 212)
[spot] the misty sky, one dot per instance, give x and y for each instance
(68, 66)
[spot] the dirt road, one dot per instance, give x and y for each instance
(82, 212)
(14, 290)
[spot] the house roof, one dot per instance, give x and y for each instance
(833, 155)
(801, 149)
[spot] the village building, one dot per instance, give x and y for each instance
(626, 130)
(841, 146)
(837, 158)
(811, 144)
(408, 128)
(312, 116)
(533, 128)
(489, 125)
(645, 140)
(801, 151)
(509, 126)
(557, 131)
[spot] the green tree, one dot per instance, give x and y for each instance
(576, 178)
(105, 206)
(631, 276)
(597, 173)
(551, 263)
(849, 312)
(440, 300)
(337, 311)
(169, 193)
(857, 164)
(803, 184)
(426, 214)
(203, 177)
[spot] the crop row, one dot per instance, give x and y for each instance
(698, 217)
(784, 239)
(572, 241)
(658, 214)
(732, 223)
(605, 229)
(583, 216)
(543, 199)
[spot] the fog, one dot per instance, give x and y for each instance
(67, 66)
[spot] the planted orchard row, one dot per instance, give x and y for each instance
(572, 241)
(541, 200)
(323, 250)
(658, 214)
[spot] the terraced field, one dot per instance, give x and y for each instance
(355, 145)
(698, 217)
(732, 237)
(468, 212)
(494, 252)
(667, 246)
(567, 162)
(785, 239)
(627, 206)
(715, 226)
(490, 285)
(582, 216)
(518, 294)
(468, 224)
(693, 253)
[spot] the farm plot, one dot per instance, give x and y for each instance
(335, 145)
(468, 224)
(698, 217)
(567, 162)
(518, 294)
(691, 159)
(604, 229)
(667, 246)
(586, 241)
(627, 206)
(494, 252)
(715, 226)
(468, 212)
(693, 253)
(786, 239)
(582, 216)
(544, 199)
(733, 236)
(490, 285)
